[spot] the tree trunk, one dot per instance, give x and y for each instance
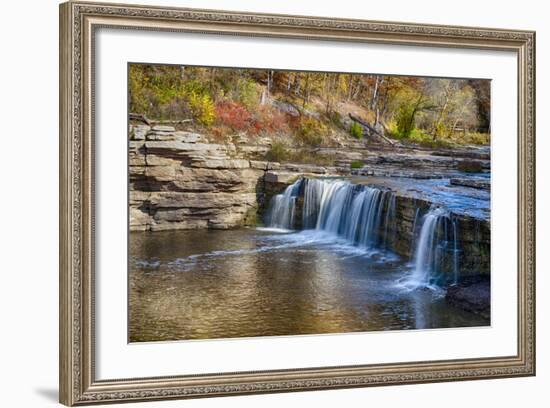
(297, 83)
(370, 128)
(288, 85)
(374, 100)
(269, 82)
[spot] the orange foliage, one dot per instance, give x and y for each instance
(269, 120)
(233, 115)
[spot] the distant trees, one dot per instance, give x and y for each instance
(409, 108)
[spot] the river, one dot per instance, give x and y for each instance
(250, 282)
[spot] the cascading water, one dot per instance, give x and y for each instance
(313, 191)
(363, 215)
(282, 209)
(436, 253)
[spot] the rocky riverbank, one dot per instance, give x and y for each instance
(182, 180)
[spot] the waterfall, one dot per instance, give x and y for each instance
(366, 216)
(363, 215)
(282, 208)
(436, 253)
(313, 192)
(413, 230)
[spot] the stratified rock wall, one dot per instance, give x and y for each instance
(179, 181)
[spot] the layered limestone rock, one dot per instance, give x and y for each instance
(179, 181)
(422, 164)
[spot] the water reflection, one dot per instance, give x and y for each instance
(243, 283)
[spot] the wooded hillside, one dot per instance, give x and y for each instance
(314, 108)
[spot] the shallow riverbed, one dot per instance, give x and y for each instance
(253, 282)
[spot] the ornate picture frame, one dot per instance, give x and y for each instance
(78, 24)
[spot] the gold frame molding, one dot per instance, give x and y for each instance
(78, 22)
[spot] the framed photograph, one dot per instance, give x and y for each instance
(255, 203)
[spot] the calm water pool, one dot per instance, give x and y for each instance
(253, 282)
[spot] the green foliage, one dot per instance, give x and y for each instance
(309, 156)
(335, 119)
(356, 130)
(247, 92)
(440, 130)
(357, 164)
(137, 90)
(426, 111)
(404, 120)
(278, 152)
(160, 92)
(311, 132)
(425, 140)
(477, 138)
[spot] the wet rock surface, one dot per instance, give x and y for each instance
(474, 183)
(472, 294)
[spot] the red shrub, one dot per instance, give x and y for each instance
(269, 120)
(233, 115)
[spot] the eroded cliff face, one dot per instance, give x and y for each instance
(179, 181)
